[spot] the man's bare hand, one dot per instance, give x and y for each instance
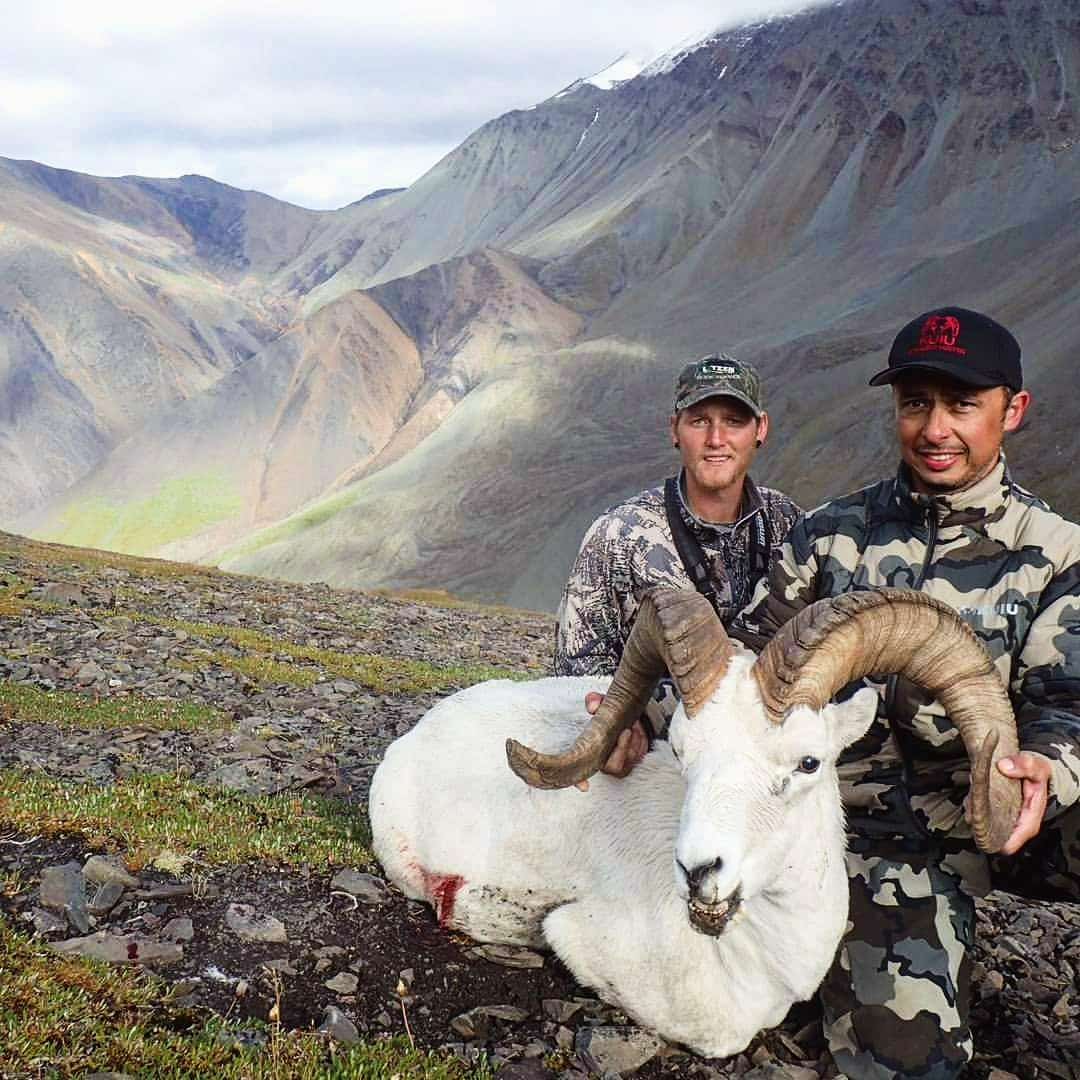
(1033, 770)
(632, 746)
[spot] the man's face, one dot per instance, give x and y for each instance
(949, 433)
(716, 440)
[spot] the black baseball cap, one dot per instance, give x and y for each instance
(962, 344)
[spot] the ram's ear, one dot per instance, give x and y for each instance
(851, 719)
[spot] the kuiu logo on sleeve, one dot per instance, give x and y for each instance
(1007, 608)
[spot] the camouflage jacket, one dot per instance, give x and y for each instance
(629, 549)
(1011, 567)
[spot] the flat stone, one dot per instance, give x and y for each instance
(49, 922)
(510, 1013)
(562, 1012)
(121, 949)
(507, 956)
(246, 922)
(63, 889)
(106, 898)
(61, 592)
(621, 1050)
(367, 888)
(338, 1026)
(180, 929)
(774, 1071)
(342, 983)
(470, 1025)
(106, 869)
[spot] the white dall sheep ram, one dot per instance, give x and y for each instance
(706, 892)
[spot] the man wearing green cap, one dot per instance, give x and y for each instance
(711, 527)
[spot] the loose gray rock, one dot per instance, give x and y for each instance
(367, 888)
(772, 1071)
(106, 898)
(60, 592)
(507, 956)
(181, 929)
(121, 949)
(106, 870)
(622, 1050)
(245, 921)
(48, 922)
(338, 1026)
(470, 1025)
(63, 889)
(562, 1012)
(342, 983)
(510, 1013)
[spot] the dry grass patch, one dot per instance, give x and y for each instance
(151, 814)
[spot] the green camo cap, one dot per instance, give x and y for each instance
(718, 375)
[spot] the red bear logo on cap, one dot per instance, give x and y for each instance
(939, 333)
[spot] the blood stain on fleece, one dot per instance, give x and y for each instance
(442, 891)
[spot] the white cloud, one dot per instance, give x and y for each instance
(319, 104)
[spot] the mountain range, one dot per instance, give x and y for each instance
(441, 386)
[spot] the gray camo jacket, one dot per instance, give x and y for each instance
(1010, 566)
(629, 549)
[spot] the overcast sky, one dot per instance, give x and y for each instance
(318, 103)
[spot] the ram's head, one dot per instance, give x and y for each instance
(780, 735)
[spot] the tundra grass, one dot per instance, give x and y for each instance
(259, 669)
(67, 1017)
(68, 709)
(384, 674)
(148, 814)
(181, 507)
(65, 556)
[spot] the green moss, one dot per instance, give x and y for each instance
(149, 813)
(385, 674)
(66, 1017)
(68, 709)
(181, 507)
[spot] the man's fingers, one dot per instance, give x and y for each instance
(1034, 771)
(592, 702)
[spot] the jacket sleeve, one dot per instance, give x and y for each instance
(589, 635)
(1046, 687)
(790, 585)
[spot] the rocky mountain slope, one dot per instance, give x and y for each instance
(146, 708)
(443, 385)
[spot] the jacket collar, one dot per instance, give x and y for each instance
(752, 503)
(976, 507)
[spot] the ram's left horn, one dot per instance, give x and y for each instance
(676, 630)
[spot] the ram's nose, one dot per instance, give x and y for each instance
(705, 882)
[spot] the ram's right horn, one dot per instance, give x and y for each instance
(899, 631)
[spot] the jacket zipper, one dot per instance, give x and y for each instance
(899, 738)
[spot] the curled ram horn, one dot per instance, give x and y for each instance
(677, 631)
(899, 631)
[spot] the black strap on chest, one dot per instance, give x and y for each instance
(686, 544)
(693, 557)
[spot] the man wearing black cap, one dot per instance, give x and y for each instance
(954, 524)
(711, 527)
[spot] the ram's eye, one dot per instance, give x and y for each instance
(809, 764)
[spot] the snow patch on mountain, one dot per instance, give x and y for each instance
(622, 70)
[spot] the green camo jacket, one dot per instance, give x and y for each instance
(1010, 566)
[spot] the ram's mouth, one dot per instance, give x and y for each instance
(712, 919)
